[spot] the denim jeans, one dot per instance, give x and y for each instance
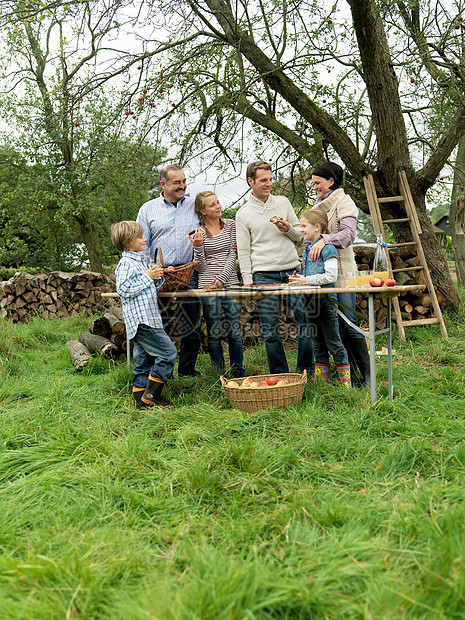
(212, 307)
(323, 322)
(268, 310)
(188, 322)
(153, 354)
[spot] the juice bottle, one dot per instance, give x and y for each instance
(381, 262)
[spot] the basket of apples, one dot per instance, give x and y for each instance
(259, 392)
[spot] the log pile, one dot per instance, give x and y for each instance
(109, 326)
(251, 329)
(55, 294)
(106, 336)
(414, 305)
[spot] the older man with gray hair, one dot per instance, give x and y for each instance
(166, 221)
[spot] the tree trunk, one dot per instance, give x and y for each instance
(457, 213)
(90, 240)
(456, 223)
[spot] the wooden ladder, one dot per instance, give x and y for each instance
(415, 228)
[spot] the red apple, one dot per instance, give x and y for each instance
(263, 384)
(376, 282)
(390, 282)
(272, 380)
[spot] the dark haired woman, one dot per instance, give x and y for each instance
(342, 223)
(214, 243)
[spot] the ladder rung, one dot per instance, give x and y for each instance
(403, 219)
(419, 268)
(391, 199)
(421, 322)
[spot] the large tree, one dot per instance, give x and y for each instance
(357, 81)
(76, 115)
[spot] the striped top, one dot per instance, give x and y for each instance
(216, 256)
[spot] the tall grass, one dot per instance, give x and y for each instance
(335, 508)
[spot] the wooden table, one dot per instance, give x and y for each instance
(244, 293)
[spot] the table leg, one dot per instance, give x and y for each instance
(371, 336)
(128, 352)
(389, 348)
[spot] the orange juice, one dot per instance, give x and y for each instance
(381, 274)
(364, 279)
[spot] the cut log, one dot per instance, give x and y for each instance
(381, 317)
(425, 300)
(118, 339)
(405, 305)
(78, 353)
(117, 311)
(100, 327)
(99, 344)
(117, 326)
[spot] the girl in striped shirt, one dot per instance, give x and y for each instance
(214, 247)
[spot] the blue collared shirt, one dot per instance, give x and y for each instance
(166, 226)
(138, 292)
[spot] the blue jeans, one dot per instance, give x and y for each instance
(187, 320)
(323, 322)
(153, 354)
(212, 307)
(268, 311)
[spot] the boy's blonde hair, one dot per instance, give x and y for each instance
(124, 233)
(316, 216)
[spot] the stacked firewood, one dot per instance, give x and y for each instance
(55, 294)
(414, 305)
(251, 329)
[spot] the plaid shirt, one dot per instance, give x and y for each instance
(166, 226)
(138, 292)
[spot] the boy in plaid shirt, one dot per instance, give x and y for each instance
(137, 284)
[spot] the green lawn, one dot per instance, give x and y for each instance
(335, 508)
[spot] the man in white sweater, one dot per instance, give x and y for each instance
(267, 253)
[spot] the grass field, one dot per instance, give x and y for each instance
(335, 508)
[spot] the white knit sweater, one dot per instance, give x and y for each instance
(260, 245)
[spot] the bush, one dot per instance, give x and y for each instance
(8, 272)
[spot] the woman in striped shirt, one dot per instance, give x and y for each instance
(214, 247)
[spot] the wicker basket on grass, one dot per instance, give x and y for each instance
(257, 398)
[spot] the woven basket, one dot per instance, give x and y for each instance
(176, 278)
(258, 398)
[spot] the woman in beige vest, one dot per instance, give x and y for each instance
(342, 223)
